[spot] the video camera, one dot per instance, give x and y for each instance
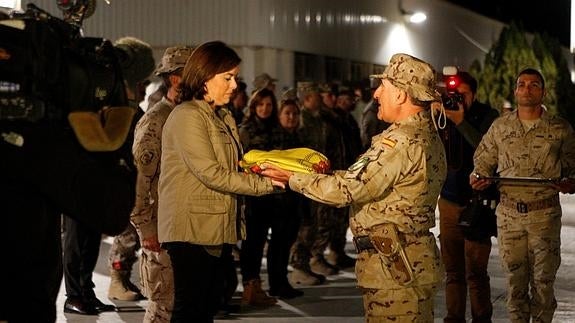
(47, 68)
(450, 97)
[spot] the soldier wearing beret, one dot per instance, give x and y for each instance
(392, 190)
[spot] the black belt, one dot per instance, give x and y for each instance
(363, 243)
(524, 207)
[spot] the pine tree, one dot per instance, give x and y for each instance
(513, 52)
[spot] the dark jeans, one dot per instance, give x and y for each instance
(281, 214)
(199, 281)
(466, 268)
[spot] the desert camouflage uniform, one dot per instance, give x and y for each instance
(155, 267)
(122, 254)
(318, 132)
(396, 181)
(529, 242)
(351, 144)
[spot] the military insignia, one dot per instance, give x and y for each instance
(359, 164)
(356, 168)
(389, 142)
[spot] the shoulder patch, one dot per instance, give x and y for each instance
(389, 142)
(357, 168)
(359, 164)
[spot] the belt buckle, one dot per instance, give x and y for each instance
(521, 207)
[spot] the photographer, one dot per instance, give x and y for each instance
(52, 164)
(465, 252)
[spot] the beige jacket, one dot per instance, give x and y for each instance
(199, 177)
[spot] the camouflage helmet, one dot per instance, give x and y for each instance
(413, 75)
(174, 58)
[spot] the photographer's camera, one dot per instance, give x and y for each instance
(451, 97)
(450, 100)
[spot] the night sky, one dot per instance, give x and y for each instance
(547, 16)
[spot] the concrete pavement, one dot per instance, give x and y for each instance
(339, 301)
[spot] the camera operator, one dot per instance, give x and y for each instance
(82, 242)
(465, 256)
(55, 165)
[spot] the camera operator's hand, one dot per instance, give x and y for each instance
(456, 116)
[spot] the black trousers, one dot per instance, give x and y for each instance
(81, 249)
(200, 281)
(281, 213)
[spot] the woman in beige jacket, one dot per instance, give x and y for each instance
(198, 216)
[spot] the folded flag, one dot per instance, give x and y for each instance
(300, 160)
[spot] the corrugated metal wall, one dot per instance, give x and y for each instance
(268, 32)
(328, 27)
(340, 28)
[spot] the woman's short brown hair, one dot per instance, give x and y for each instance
(206, 61)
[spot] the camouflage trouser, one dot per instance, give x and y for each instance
(337, 237)
(122, 254)
(157, 280)
(413, 304)
(314, 233)
(530, 254)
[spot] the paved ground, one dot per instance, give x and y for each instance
(339, 301)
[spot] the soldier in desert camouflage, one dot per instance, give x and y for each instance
(528, 142)
(155, 266)
(392, 190)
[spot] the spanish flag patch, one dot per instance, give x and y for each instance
(389, 142)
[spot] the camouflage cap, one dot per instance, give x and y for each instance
(263, 80)
(174, 58)
(327, 88)
(413, 75)
(304, 88)
(289, 94)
